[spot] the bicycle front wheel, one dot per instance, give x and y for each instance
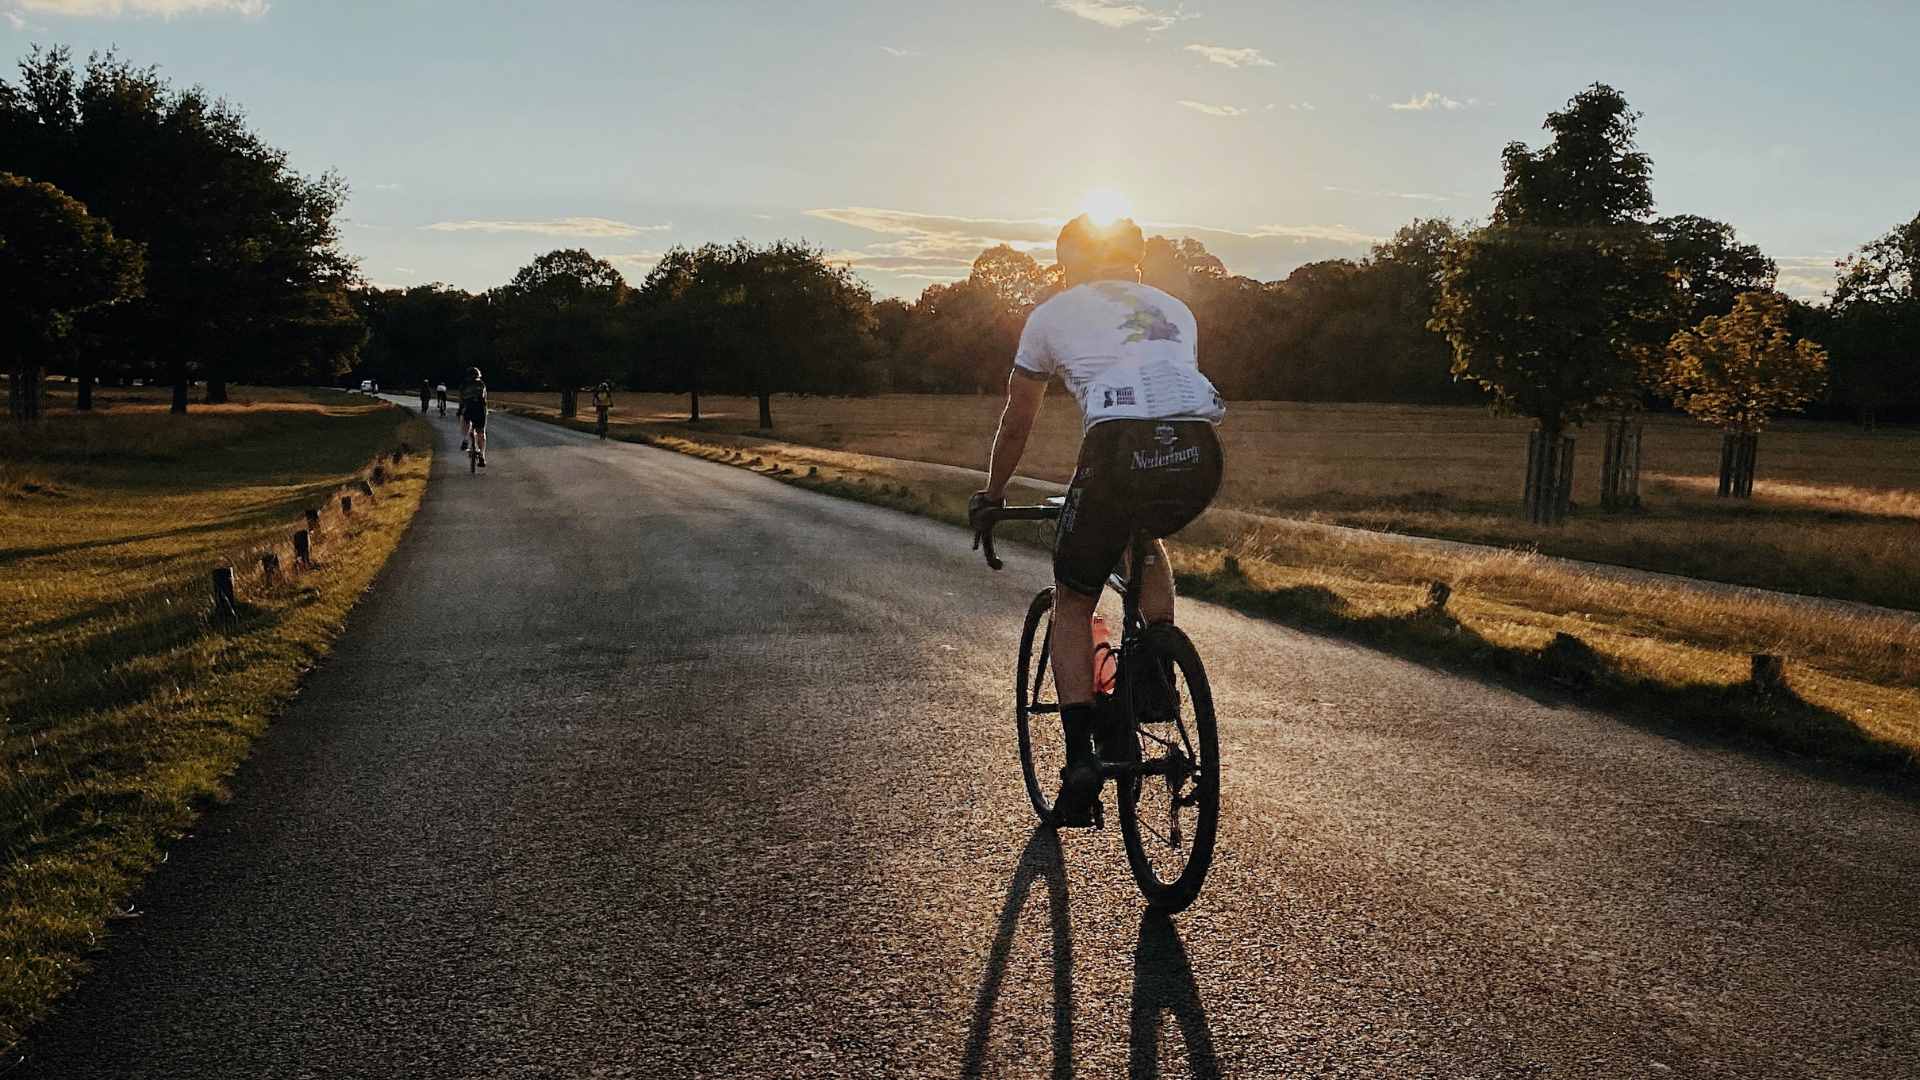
(1036, 708)
(1170, 810)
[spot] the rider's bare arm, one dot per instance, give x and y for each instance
(1016, 423)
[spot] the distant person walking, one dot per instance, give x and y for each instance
(473, 413)
(602, 404)
(426, 396)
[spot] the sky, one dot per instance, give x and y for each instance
(905, 137)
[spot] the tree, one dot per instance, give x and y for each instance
(1711, 266)
(1737, 371)
(56, 261)
(236, 241)
(1174, 266)
(1876, 305)
(1551, 305)
(560, 314)
(1013, 277)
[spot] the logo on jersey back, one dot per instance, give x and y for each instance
(1146, 322)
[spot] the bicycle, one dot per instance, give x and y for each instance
(1154, 793)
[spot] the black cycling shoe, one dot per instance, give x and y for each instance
(1078, 804)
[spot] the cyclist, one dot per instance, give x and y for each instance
(440, 391)
(473, 413)
(602, 402)
(1149, 458)
(426, 395)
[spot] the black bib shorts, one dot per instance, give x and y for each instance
(1151, 475)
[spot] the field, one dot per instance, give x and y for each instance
(125, 703)
(1835, 511)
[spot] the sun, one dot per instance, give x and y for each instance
(1105, 206)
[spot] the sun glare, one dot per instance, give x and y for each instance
(1105, 206)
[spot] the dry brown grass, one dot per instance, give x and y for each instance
(1833, 512)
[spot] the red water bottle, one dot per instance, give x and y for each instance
(1106, 661)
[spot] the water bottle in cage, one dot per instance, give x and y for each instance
(1106, 659)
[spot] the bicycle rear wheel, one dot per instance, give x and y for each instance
(1036, 708)
(1169, 817)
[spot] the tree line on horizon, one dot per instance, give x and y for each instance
(146, 232)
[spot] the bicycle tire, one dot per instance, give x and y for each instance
(1156, 643)
(1030, 679)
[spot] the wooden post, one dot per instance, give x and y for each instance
(346, 505)
(1769, 672)
(270, 567)
(1437, 594)
(303, 548)
(223, 602)
(399, 452)
(313, 522)
(365, 488)
(379, 474)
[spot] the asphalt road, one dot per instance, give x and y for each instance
(635, 765)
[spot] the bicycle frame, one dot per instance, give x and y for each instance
(1140, 548)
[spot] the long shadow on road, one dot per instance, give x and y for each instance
(1163, 983)
(1040, 858)
(1163, 979)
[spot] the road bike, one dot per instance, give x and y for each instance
(1167, 781)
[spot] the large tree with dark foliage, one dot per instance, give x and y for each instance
(56, 262)
(242, 251)
(561, 317)
(1876, 331)
(1553, 306)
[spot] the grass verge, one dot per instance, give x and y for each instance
(126, 703)
(1664, 654)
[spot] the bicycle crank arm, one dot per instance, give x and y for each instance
(1160, 766)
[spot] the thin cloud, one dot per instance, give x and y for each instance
(592, 228)
(893, 51)
(1417, 196)
(1213, 110)
(165, 9)
(638, 261)
(935, 247)
(1121, 14)
(1233, 58)
(14, 20)
(386, 187)
(1301, 106)
(1806, 277)
(1429, 101)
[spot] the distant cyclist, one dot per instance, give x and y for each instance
(602, 402)
(473, 414)
(1149, 459)
(426, 396)
(440, 391)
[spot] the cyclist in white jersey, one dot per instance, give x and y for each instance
(1149, 458)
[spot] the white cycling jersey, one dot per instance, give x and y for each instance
(1127, 351)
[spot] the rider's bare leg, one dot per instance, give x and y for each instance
(1072, 645)
(1156, 590)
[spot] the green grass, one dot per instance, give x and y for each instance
(125, 704)
(1667, 655)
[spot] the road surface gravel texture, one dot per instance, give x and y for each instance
(635, 765)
